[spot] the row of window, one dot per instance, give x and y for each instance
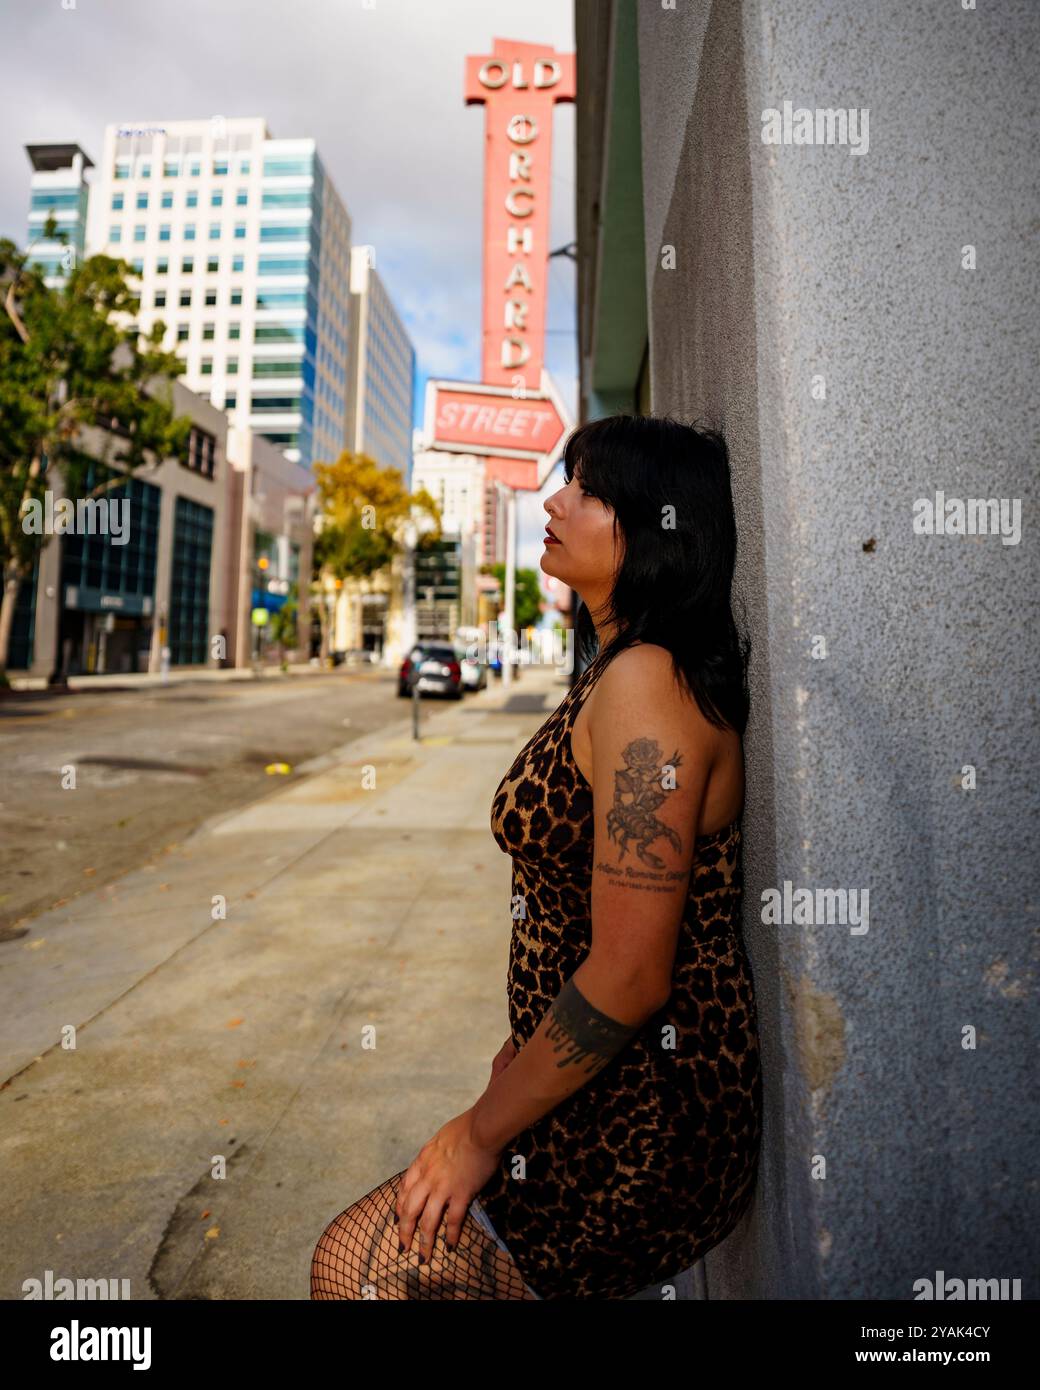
(261, 368)
(276, 167)
(191, 199)
(296, 198)
(173, 168)
(140, 232)
(262, 333)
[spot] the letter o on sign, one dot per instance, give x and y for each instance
(485, 73)
(521, 130)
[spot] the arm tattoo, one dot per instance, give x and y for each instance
(638, 791)
(579, 1030)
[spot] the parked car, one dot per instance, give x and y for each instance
(474, 672)
(431, 666)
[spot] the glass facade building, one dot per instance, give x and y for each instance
(57, 186)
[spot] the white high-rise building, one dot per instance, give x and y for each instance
(241, 245)
(58, 186)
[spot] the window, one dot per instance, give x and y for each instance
(171, 168)
(282, 265)
(296, 198)
(185, 299)
(243, 166)
(238, 263)
(234, 330)
(115, 233)
(164, 231)
(284, 231)
(212, 265)
(191, 199)
(162, 265)
(214, 231)
(182, 332)
(220, 167)
(232, 366)
(206, 366)
(122, 169)
(281, 167)
(187, 265)
(189, 231)
(216, 200)
(242, 198)
(195, 170)
(209, 332)
(274, 405)
(282, 299)
(211, 299)
(230, 400)
(142, 200)
(202, 448)
(166, 200)
(137, 265)
(279, 332)
(159, 301)
(190, 583)
(240, 231)
(274, 367)
(236, 296)
(145, 170)
(117, 202)
(139, 232)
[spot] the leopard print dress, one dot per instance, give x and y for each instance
(652, 1161)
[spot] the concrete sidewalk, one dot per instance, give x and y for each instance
(354, 914)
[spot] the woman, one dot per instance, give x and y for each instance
(617, 1140)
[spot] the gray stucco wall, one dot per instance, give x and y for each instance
(797, 262)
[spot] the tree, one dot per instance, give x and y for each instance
(66, 367)
(283, 625)
(365, 510)
(527, 597)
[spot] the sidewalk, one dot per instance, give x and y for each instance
(350, 1003)
(186, 675)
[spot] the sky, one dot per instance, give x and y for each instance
(377, 83)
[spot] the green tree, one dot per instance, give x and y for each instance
(527, 597)
(283, 625)
(67, 367)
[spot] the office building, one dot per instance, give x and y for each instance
(380, 391)
(241, 246)
(58, 185)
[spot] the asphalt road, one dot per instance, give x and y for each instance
(151, 765)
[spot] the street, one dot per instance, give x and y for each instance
(151, 764)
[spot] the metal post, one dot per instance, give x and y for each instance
(510, 603)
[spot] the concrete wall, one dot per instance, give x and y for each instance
(802, 262)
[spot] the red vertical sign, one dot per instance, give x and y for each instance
(519, 84)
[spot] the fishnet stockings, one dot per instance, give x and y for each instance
(358, 1257)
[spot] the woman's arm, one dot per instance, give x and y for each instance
(652, 752)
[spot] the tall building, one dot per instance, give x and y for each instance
(242, 248)
(382, 373)
(58, 185)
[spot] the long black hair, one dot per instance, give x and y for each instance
(669, 486)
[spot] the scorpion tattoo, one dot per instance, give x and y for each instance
(637, 795)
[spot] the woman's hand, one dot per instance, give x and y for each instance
(442, 1180)
(504, 1056)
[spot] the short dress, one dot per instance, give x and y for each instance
(653, 1160)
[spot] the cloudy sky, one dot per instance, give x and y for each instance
(377, 83)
